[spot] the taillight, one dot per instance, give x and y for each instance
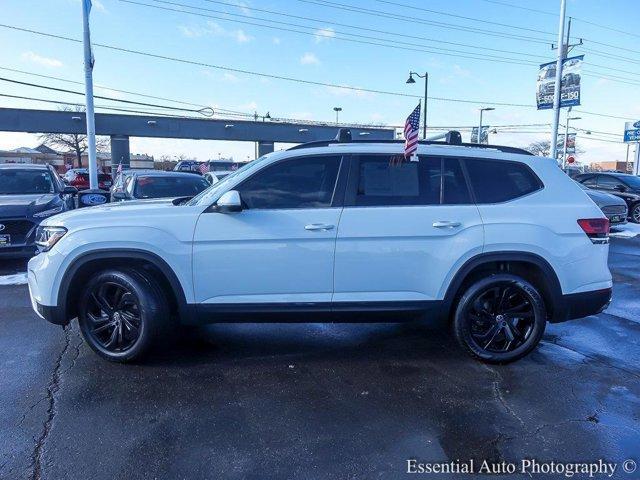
(597, 229)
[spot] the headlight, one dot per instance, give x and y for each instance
(48, 213)
(47, 237)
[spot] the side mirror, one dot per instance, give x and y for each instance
(118, 196)
(229, 202)
(69, 190)
(620, 188)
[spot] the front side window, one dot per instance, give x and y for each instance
(306, 182)
(495, 181)
(605, 181)
(589, 181)
(387, 180)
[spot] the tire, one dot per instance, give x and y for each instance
(500, 319)
(122, 314)
(635, 213)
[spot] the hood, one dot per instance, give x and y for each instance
(113, 213)
(602, 198)
(26, 205)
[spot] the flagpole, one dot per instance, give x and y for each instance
(88, 86)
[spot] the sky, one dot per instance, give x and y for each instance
(369, 44)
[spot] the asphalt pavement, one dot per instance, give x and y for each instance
(314, 401)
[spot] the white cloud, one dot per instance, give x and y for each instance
(309, 59)
(230, 77)
(214, 30)
(326, 33)
(242, 37)
(97, 4)
(276, 41)
(40, 60)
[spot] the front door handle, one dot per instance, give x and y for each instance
(446, 224)
(319, 226)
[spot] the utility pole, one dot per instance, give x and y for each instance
(556, 91)
(337, 110)
(88, 87)
(636, 164)
(488, 109)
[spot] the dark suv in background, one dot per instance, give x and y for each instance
(28, 195)
(621, 185)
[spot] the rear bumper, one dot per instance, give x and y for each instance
(583, 304)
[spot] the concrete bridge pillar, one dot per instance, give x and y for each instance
(264, 148)
(120, 152)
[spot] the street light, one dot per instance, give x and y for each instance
(426, 88)
(485, 109)
(337, 110)
(566, 137)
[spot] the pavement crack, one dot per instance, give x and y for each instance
(52, 389)
(499, 396)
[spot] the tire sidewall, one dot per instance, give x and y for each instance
(462, 327)
(635, 208)
(148, 306)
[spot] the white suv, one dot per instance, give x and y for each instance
(494, 239)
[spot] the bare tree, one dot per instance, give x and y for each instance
(541, 148)
(73, 142)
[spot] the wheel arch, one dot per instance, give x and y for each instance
(529, 265)
(127, 257)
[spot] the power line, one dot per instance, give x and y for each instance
(207, 111)
(506, 4)
(488, 22)
(395, 45)
(260, 74)
(331, 22)
(413, 20)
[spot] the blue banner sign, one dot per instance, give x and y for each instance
(569, 87)
(632, 131)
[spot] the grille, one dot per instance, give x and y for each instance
(16, 227)
(614, 209)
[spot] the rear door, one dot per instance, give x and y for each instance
(404, 227)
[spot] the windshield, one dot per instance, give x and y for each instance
(169, 186)
(216, 187)
(25, 182)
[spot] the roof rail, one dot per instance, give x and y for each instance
(452, 138)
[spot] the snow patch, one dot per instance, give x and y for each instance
(17, 279)
(628, 230)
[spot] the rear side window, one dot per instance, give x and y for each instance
(388, 180)
(495, 181)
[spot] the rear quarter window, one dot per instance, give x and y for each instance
(496, 181)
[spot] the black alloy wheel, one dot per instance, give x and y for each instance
(500, 319)
(635, 213)
(122, 313)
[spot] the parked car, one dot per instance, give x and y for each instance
(622, 185)
(121, 178)
(188, 166)
(159, 184)
(495, 240)
(79, 178)
(613, 207)
(28, 195)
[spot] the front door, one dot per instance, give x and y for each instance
(279, 249)
(405, 226)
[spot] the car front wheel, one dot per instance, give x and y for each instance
(122, 313)
(500, 319)
(635, 213)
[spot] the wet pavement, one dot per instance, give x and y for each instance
(316, 400)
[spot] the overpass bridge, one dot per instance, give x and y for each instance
(121, 127)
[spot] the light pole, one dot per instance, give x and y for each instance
(337, 110)
(426, 89)
(566, 137)
(485, 109)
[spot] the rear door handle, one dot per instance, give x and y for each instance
(446, 224)
(319, 226)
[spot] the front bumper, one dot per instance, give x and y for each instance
(583, 304)
(41, 287)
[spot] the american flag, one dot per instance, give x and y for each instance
(204, 167)
(411, 128)
(119, 169)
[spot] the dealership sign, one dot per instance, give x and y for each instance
(569, 86)
(632, 131)
(571, 143)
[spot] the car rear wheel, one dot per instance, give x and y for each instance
(122, 313)
(635, 213)
(500, 319)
